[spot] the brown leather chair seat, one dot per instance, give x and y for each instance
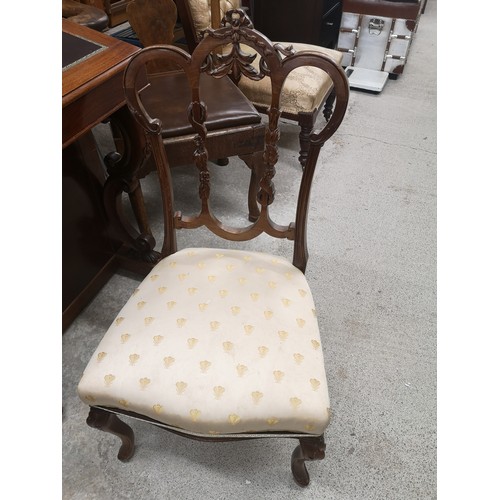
(227, 107)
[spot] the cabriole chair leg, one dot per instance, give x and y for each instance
(310, 448)
(109, 422)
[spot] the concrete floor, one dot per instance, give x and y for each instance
(372, 269)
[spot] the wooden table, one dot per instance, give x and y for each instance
(93, 66)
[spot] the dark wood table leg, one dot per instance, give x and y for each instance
(125, 167)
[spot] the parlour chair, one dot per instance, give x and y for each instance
(305, 93)
(220, 343)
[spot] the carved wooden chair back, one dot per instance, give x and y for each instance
(306, 92)
(234, 128)
(221, 343)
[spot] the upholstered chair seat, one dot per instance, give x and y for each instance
(304, 91)
(232, 348)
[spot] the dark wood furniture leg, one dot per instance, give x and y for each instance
(109, 422)
(306, 123)
(328, 108)
(124, 171)
(310, 448)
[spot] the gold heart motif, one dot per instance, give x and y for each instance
(168, 361)
(223, 293)
(144, 382)
(288, 276)
(181, 322)
(314, 313)
(298, 358)
(315, 344)
(182, 276)
(286, 302)
(154, 277)
(241, 369)
(125, 337)
(283, 335)
(315, 383)
(181, 387)
(192, 253)
(234, 419)
(272, 421)
(108, 379)
(101, 356)
(192, 291)
(195, 414)
(202, 307)
(148, 320)
(212, 278)
(119, 320)
(302, 292)
(227, 346)
(157, 339)
(268, 314)
(263, 350)
(214, 325)
(247, 258)
(259, 270)
(272, 284)
(278, 375)
(254, 296)
(309, 427)
(218, 391)
(90, 398)
(162, 289)
(123, 402)
(172, 264)
(257, 396)
(230, 267)
(157, 409)
(141, 304)
(171, 305)
(242, 281)
(235, 310)
(192, 342)
(204, 366)
(248, 329)
(295, 402)
(133, 358)
(201, 265)
(301, 322)
(135, 292)
(219, 255)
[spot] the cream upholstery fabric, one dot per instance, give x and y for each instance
(216, 341)
(200, 11)
(304, 89)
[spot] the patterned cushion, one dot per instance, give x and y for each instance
(216, 342)
(304, 89)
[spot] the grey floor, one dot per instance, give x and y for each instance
(372, 269)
